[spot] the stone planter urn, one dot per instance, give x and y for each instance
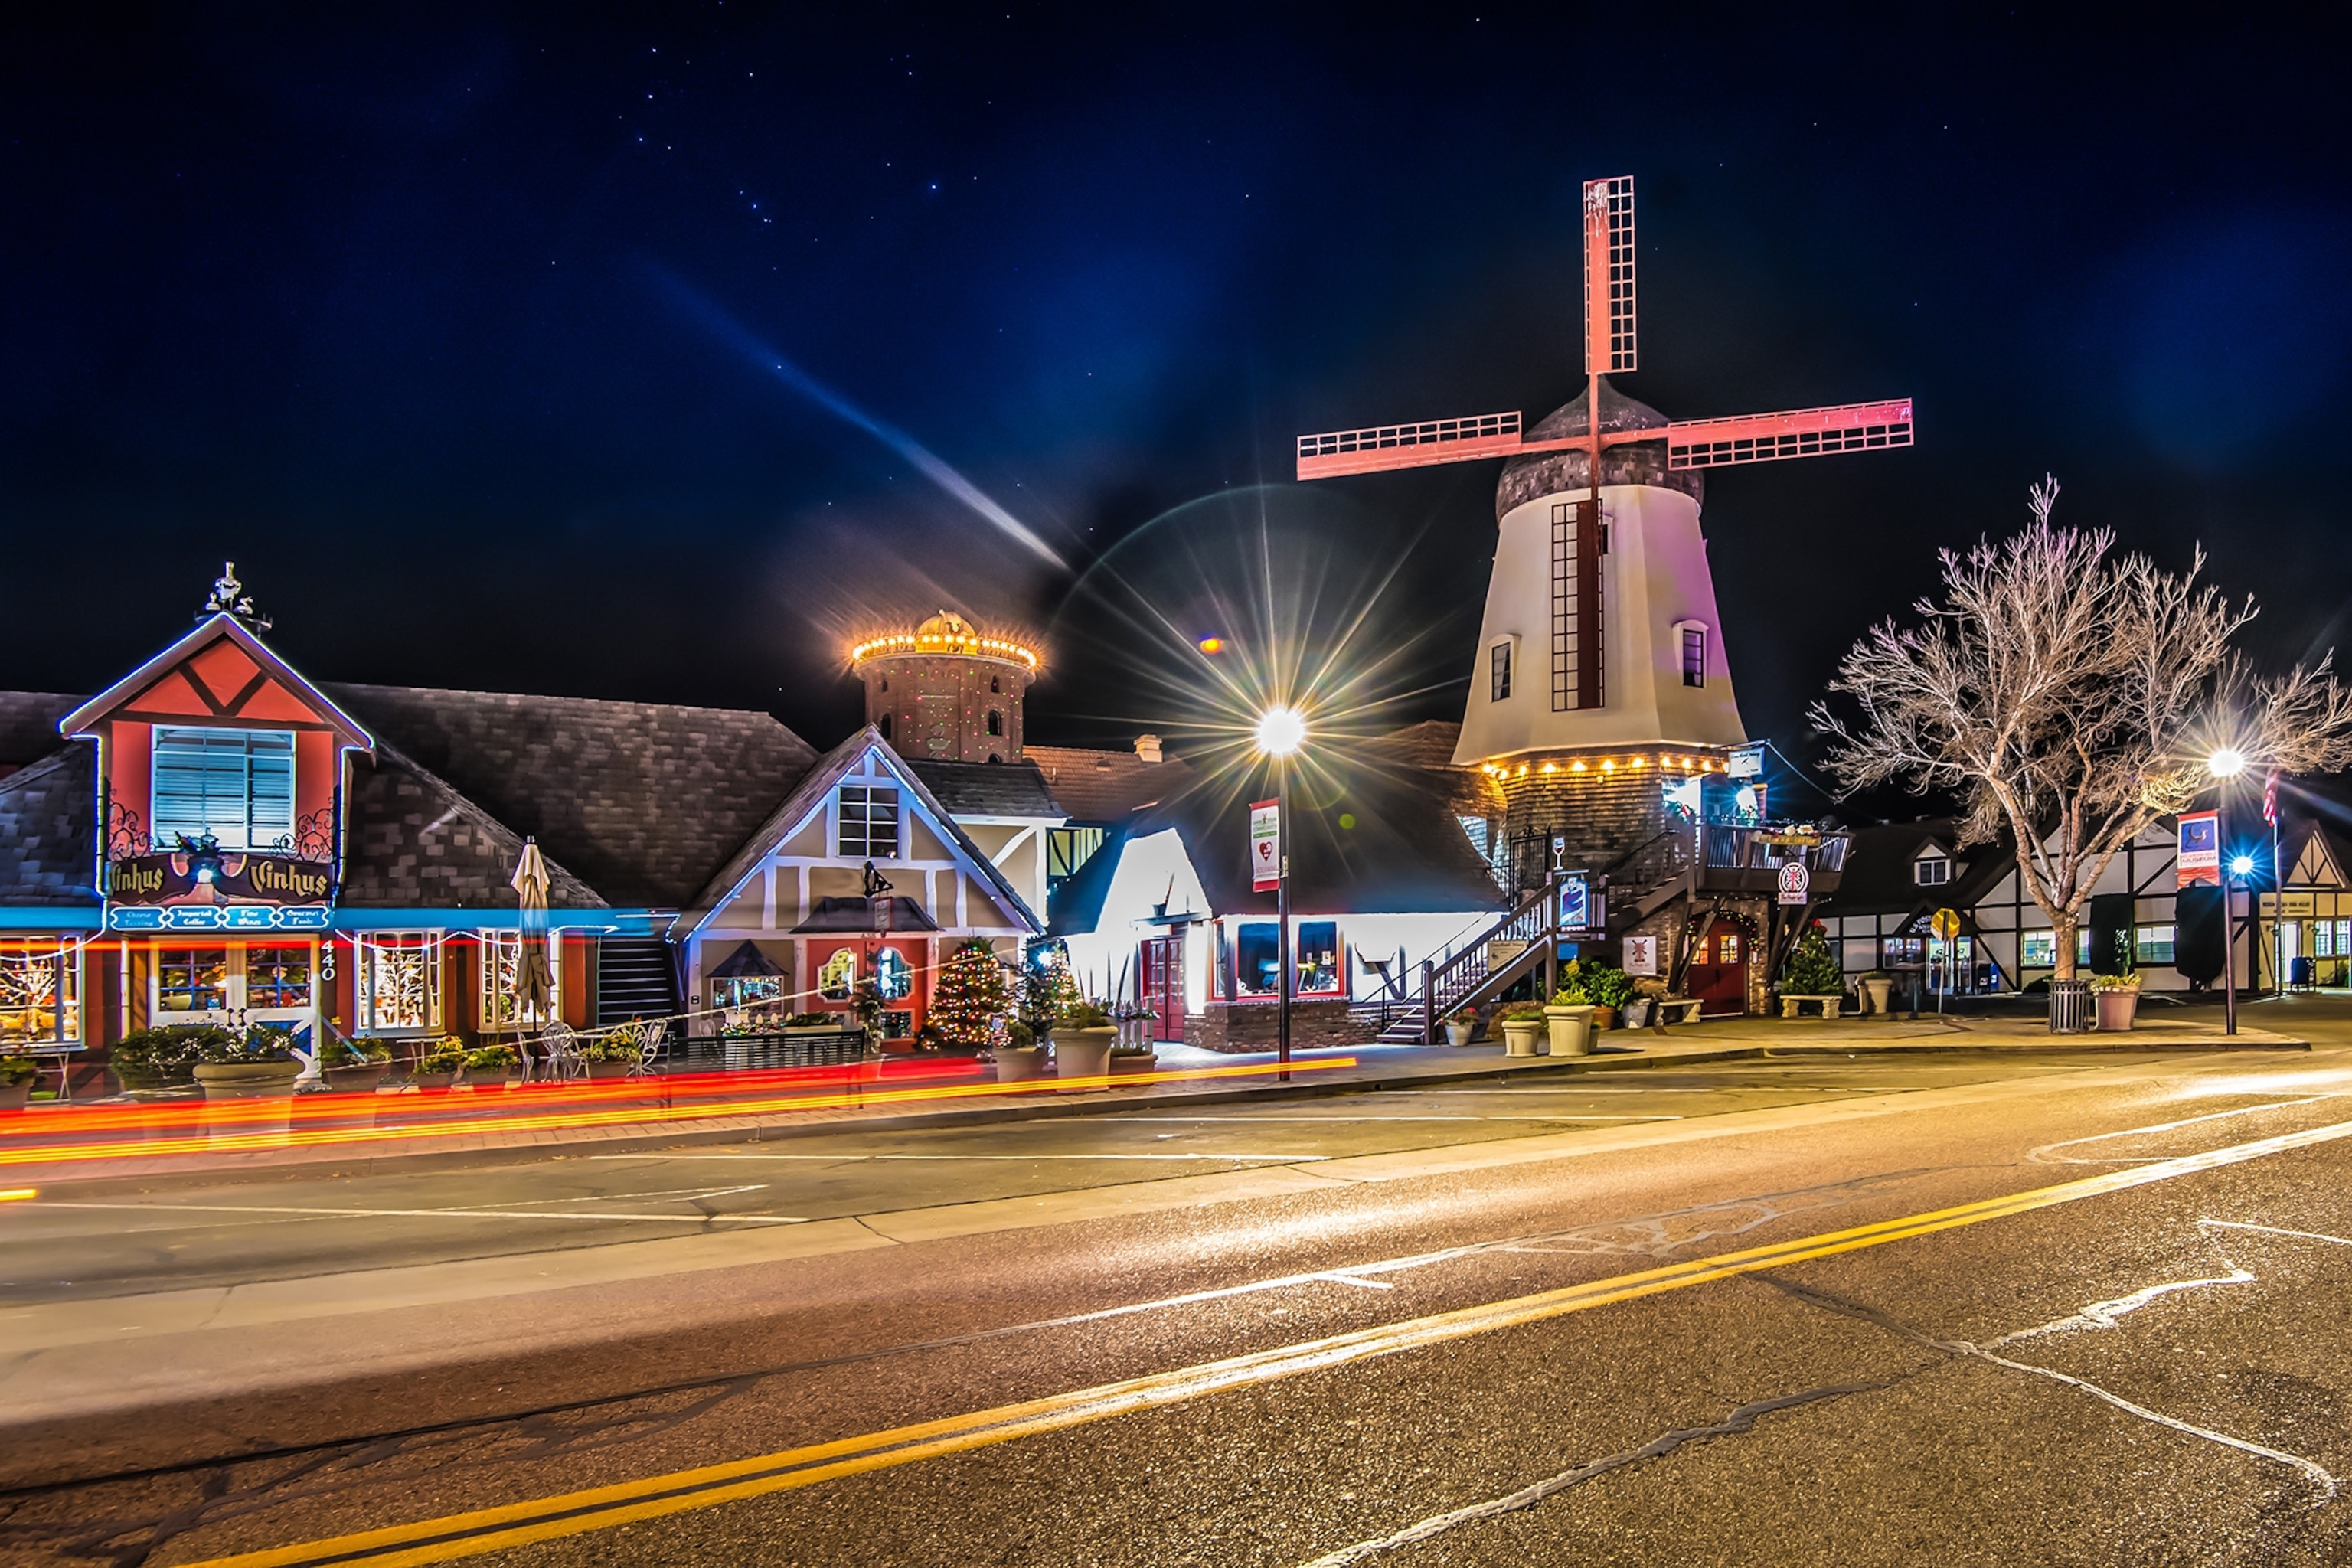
(434, 1080)
(16, 1096)
(359, 1079)
(1603, 1018)
(1134, 1061)
(248, 1080)
(1875, 994)
(1458, 1033)
(600, 1071)
(1083, 1053)
(1019, 1064)
(1523, 1036)
(1570, 1028)
(2117, 1008)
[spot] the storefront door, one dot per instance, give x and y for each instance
(1718, 975)
(1163, 987)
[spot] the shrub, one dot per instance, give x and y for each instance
(447, 1055)
(812, 1021)
(1526, 1012)
(1608, 985)
(1570, 995)
(622, 1043)
(2116, 982)
(158, 1057)
(1083, 1015)
(491, 1058)
(261, 1043)
(341, 1052)
(1019, 1036)
(16, 1070)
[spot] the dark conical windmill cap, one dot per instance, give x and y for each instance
(1634, 463)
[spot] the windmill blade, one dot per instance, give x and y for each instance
(1608, 336)
(1408, 445)
(1800, 433)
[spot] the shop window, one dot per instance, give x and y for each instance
(40, 991)
(235, 785)
(995, 722)
(1931, 871)
(1694, 657)
(894, 977)
(1257, 959)
(1901, 950)
(838, 978)
(278, 978)
(399, 981)
(869, 821)
(1320, 974)
(1726, 949)
(501, 967)
(191, 979)
(2152, 945)
(1498, 671)
(2037, 950)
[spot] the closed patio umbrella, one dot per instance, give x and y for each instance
(534, 983)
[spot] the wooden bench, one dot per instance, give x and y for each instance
(1831, 1006)
(1675, 1010)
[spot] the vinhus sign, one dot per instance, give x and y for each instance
(237, 879)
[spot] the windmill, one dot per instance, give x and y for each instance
(1579, 539)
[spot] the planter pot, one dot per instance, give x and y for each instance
(1523, 1036)
(2116, 1010)
(1637, 1013)
(1019, 1065)
(1875, 994)
(599, 1071)
(434, 1081)
(1604, 1018)
(248, 1080)
(1083, 1053)
(1570, 1029)
(16, 1096)
(1459, 1034)
(365, 1079)
(1134, 1061)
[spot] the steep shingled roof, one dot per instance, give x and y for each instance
(48, 834)
(1104, 786)
(642, 802)
(28, 725)
(415, 843)
(987, 789)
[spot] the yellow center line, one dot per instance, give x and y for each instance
(603, 1508)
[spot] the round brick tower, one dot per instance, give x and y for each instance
(946, 691)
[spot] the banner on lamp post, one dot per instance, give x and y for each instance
(2198, 857)
(1265, 845)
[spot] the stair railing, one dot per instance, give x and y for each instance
(1444, 985)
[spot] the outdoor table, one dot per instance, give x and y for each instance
(64, 1054)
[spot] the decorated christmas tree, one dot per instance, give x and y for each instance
(1813, 969)
(968, 997)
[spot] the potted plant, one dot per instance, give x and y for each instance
(353, 1066)
(613, 1053)
(813, 1023)
(1523, 1029)
(16, 1074)
(1084, 1034)
(147, 1060)
(1022, 1057)
(1813, 973)
(1875, 986)
(486, 1062)
(1461, 1026)
(439, 1068)
(1610, 989)
(2118, 996)
(260, 1064)
(1567, 1018)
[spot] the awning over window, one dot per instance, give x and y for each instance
(746, 963)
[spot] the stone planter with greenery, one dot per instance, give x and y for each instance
(1024, 1056)
(493, 1066)
(1876, 987)
(354, 1067)
(613, 1053)
(1567, 1020)
(1523, 1029)
(259, 1064)
(439, 1068)
(2117, 997)
(1462, 1027)
(1083, 1037)
(164, 1059)
(17, 1075)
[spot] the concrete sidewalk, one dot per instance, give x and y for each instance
(886, 1108)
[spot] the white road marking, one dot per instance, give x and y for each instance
(1342, 1120)
(2274, 1230)
(2044, 1156)
(420, 1213)
(1018, 1159)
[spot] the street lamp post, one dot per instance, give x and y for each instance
(2224, 765)
(1281, 731)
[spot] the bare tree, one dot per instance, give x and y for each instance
(2073, 698)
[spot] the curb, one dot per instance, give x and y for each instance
(1095, 1103)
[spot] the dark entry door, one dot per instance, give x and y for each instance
(1718, 975)
(1163, 987)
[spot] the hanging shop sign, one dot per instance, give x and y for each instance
(1640, 956)
(1796, 882)
(1744, 762)
(218, 917)
(1582, 910)
(220, 878)
(2200, 851)
(1265, 845)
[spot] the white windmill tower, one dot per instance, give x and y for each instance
(1601, 641)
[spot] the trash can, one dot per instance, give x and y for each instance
(2070, 1006)
(2302, 974)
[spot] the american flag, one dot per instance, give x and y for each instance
(2270, 799)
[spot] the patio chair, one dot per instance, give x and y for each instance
(564, 1062)
(650, 1051)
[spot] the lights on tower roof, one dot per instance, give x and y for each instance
(945, 633)
(1603, 765)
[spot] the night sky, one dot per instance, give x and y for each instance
(461, 336)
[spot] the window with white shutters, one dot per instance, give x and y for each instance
(237, 784)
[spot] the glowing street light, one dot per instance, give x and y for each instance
(2226, 763)
(2241, 865)
(1281, 731)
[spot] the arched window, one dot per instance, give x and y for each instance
(994, 686)
(995, 722)
(994, 758)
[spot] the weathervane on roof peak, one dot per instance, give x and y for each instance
(229, 598)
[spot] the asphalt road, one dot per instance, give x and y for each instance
(2157, 1373)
